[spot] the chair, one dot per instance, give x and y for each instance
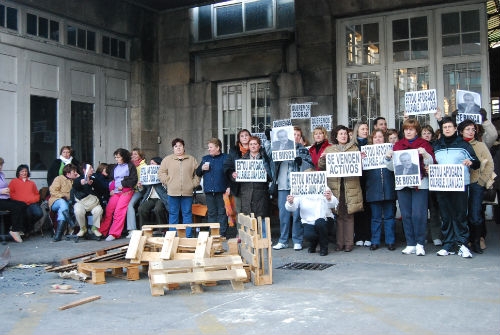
(3, 235)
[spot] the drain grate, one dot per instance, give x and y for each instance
(305, 266)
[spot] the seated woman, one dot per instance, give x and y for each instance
(23, 189)
(16, 208)
(155, 198)
(101, 186)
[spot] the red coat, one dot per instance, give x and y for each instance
(315, 155)
(25, 191)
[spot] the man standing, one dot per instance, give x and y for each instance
(380, 123)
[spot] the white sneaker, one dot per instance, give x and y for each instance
(437, 242)
(367, 243)
(359, 243)
(442, 252)
(297, 246)
(419, 250)
(409, 250)
(464, 252)
(129, 234)
(280, 245)
(110, 238)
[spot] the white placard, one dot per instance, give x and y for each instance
(149, 175)
(305, 183)
(375, 155)
(321, 121)
(300, 111)
(476, 118)
(406, 168)
(343, 164)
(446, 177)
(262, 136)
(250, 170)
(421, 102)
(283, 144)
(468, 102)
(282, 123)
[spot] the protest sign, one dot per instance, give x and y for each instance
(282, 123)
(283, 144)
(446, 177)
(305, 183)
(468, 102)
(149, 175)
(375, 155)
(262, 136)
(300, 111)
(476, 118)
(420, 102)
(406, 168)
(321, 121)
(250, 170)
(343, 164)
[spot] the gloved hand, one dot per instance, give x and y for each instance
(298, 161)
(483, 113)
(268, 134)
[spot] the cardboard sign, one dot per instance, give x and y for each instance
(476, 118)
(421, 102)
(406, 168)
(282, 123)
(446, 177)
(149, 175)
(283, 144)
(262, 136)
(375, 155)
(343, 164)
(321, 121)
(306, 183)
(300, 111)
(249, 170)
(468, 102)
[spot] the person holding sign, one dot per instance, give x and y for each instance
(413, 200)
(381, 196)
(154, 198)
(215, 183)
(255, 195)
(314, 209)
(452, 149)
(478, 180)
(320, 144)
(346, 189)
(177, 172)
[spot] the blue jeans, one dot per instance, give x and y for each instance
(183, 204)
(413, 205)
(476, 195)
(382, 211)
(59, 206)
(131, 219)
(217, 210)
(297, 229)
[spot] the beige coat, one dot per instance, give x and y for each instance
(177, 173)
(60, 188)
(353, 194)
(483, 174)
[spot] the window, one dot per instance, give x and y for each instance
(42, 27)
(82, 130)
(409, 80)
(409, 39)
(461, 76)
(362, 41)
(363, 92)
(81, 38)
(461, 33)
(242, 17)
(8, 17)
(113, 47)
(43, 121)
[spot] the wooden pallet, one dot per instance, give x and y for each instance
(97, 271)
(255, 248)
(201, 269)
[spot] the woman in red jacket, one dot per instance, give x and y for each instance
(23, 189)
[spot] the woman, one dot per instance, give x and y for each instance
(392, 136)
(65, 158)
(100, 177)
(255, 195)
(17, 208)
(413, 200)
(155, 198)
(241, 147)
(346, 189)
(177, 172)
(320, 137)
(123, 176)
(215, 183)
(362, 225)
(138, 158)
(434, 227)
(23, 189)
(478, 179)
(381, 197)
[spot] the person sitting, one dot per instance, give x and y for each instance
(60, 192)
(101, 184)
(86, 200)
(314, 211)
(155, 197)
(23, 189)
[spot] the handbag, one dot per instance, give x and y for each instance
(490, 196)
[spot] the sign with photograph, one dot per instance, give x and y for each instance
(282, 123)
(306, 183)
(406, 168)
(250, 170)
(446, 177)
(300, 111)
(149, 175)
(343, 164)
(421, 102)
(468, 102)
(375, 155)
(321, 121)
(476, 118)
(283, 144)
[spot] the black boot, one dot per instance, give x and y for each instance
(312, 247)
(69, 219)
(60, 230)
(475, 238)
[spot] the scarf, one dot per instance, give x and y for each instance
(138, 162)
(66, 161)
(243, 150)
(416, 143)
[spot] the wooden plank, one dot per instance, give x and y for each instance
(247, 221)
(201, 245)
(91, 254)
(140, 250)
(80, 302)
(64, 291)
(205, 262)
(248, 239)
(198, 277)
(133, 246)
(248, 256)
(182, 225)
(168, 244)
